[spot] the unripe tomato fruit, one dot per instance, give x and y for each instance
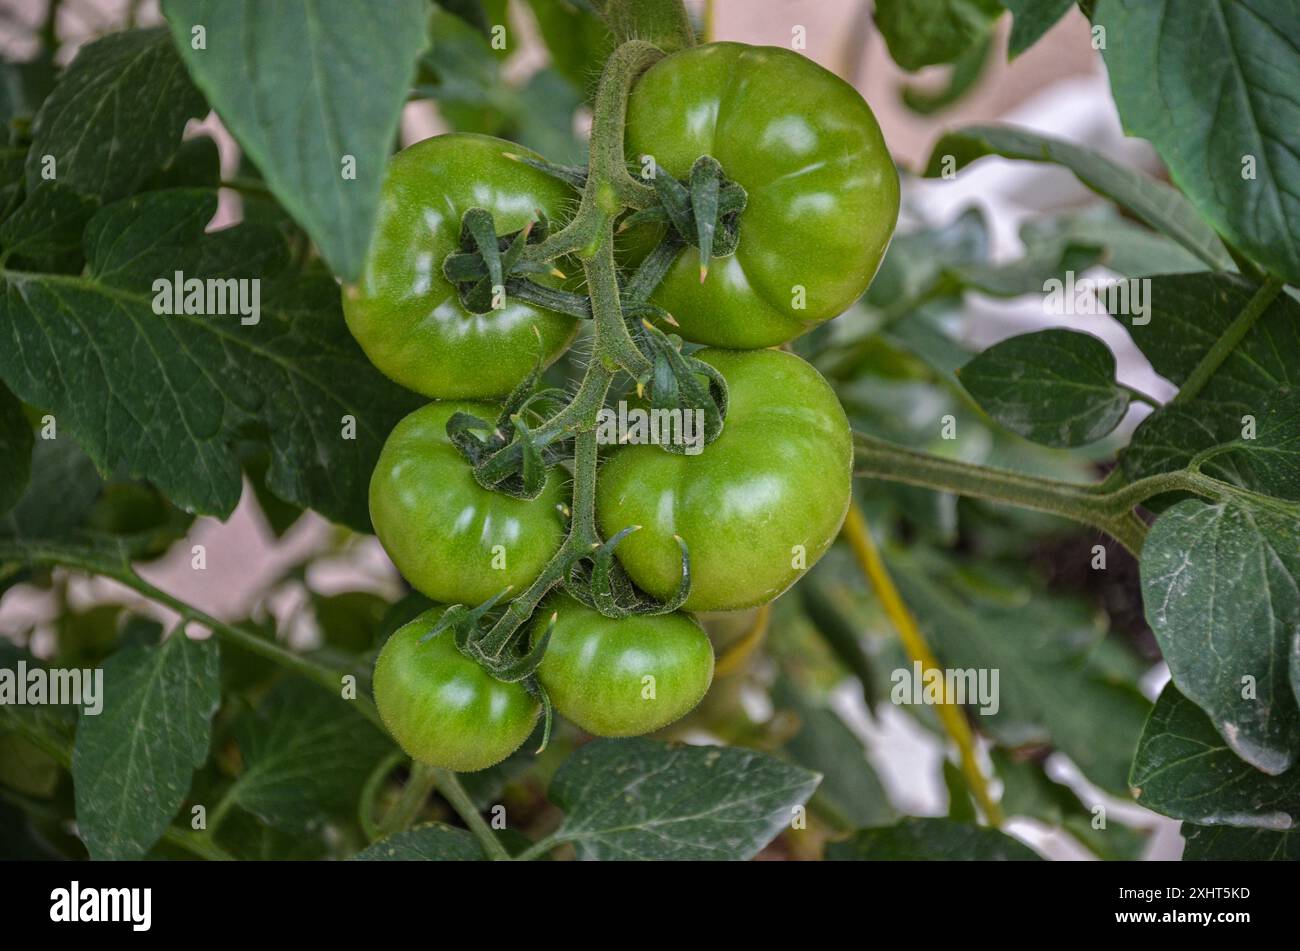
(624, 676)
(452, 539)
(757, 507)
(407, 316)
(443, 708)
(823, 190)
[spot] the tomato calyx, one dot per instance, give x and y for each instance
(703, 211)
(507, 455)
(599, 582)
(489, 269)
(573, 175)
(674, 383)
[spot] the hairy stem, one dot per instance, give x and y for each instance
(663, 22)
(1101, 506)
(449, 786)
(609, 187)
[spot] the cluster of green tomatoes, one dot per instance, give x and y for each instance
(754, 510)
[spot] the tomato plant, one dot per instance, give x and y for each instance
(427, 436)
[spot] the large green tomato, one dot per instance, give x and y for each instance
(451, 538)
(622, 677)
(443, 708)
(407, 316)
(823, 191)
(757, 507)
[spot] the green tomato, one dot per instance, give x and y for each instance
(823, 190)
(452, 539)
(407, 316)
(756, 508)
(443, 708)
(625, 676)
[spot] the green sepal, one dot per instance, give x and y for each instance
(600, 582)
(674, 383)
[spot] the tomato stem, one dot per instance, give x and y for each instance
(1100, 506)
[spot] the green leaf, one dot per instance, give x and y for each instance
(1226, 844)
(1272, 458)
(1050, 689)
(16, 443)
(925, 32)
(197, 164)
(839, 633)
(47, 726)
(61, 495)
(12, 188)
(850, 793)
(1129, 249)
(1268, 461)
(1221, 585)
(1224, 91)
(306, 756)
(433, 842)
(303, 87)
(1188, 313)
(961, 806)
(44, 233)
(916, 261)
(248, 837)
(544, 118)
(116, 115)
(931, 840)
(1056, 387)
(1184, 770)
(636, 799)
(133, 762)
(1032, 18)
(461, 71)
(1153, 202)
(168, 397)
